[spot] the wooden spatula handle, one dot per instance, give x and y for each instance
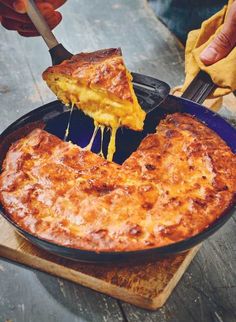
(41, 24)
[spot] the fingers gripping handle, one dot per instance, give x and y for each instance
(41, 24)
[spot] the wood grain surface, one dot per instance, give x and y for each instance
(207, 291)
(147, 285)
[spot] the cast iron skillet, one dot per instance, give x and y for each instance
(53, 118)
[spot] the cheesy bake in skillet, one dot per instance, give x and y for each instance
(177, 183)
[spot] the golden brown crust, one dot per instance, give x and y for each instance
(178, 182)
(103, 69)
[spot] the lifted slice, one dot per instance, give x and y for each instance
(99, 84)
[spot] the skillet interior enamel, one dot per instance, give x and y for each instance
(53, 118)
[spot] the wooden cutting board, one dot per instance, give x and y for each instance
(146, 285)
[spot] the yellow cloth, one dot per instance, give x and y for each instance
(223, 72)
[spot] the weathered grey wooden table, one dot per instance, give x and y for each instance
(207, 292)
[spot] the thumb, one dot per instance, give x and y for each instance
(224, 42)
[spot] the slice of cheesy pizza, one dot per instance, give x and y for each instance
(99, 84)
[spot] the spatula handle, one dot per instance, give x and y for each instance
(41, 24)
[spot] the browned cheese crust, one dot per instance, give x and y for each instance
(103, 69)
(178, 182)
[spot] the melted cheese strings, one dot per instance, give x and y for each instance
(69, 121)
(112, 144)
(90, 144)
(102, 127)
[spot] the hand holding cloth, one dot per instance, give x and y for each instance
(223, 71)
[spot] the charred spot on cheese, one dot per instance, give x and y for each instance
(147, 205)
(101, 86)
(150, 167)
(136, 230)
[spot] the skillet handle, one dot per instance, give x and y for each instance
(200, 87)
